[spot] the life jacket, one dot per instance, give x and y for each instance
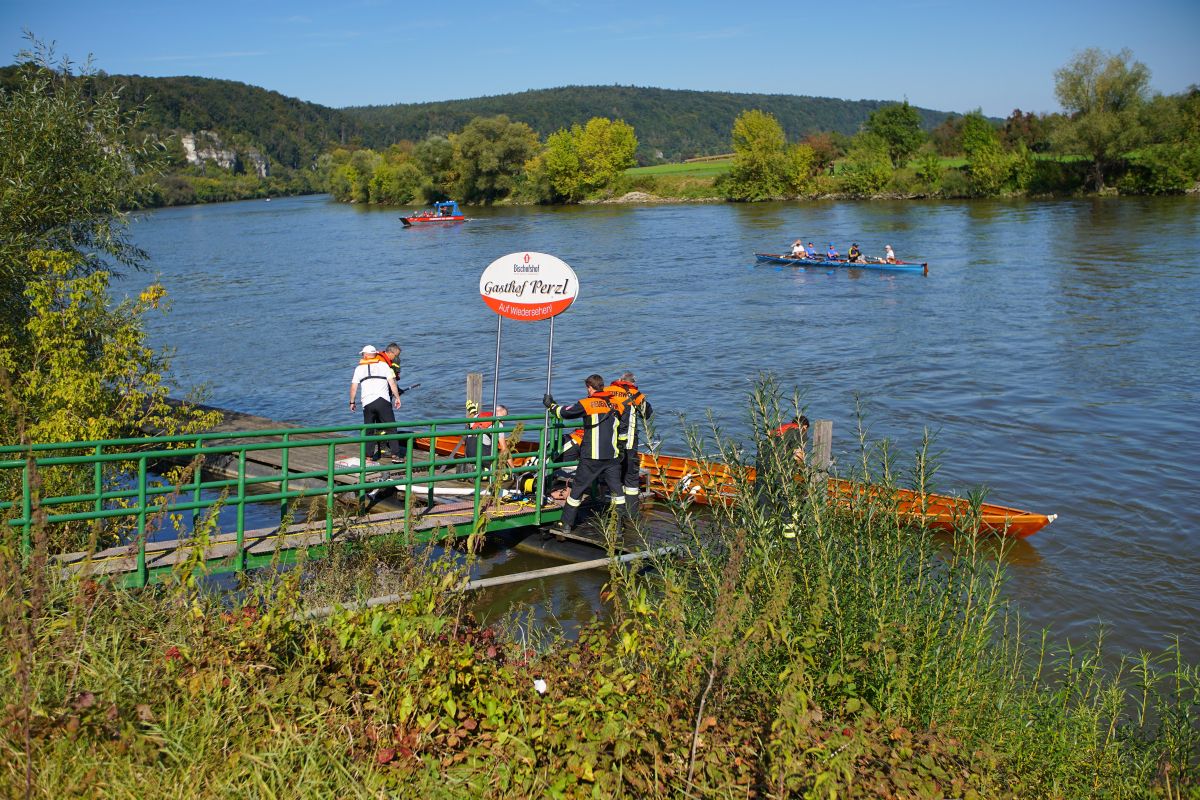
(782, 429)
(368, 361)
(601, 423)
(576, 436)
(630, 404)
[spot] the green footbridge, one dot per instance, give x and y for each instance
(259, 495)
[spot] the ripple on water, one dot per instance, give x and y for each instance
(1051, 349)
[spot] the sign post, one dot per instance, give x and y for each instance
(529, 287)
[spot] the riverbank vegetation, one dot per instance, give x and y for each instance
(74, 363)
(861, 658)
(1114, 137)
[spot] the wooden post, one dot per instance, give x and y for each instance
(822, 446)
(475, 388)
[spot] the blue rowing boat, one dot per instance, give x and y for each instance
(898, 266)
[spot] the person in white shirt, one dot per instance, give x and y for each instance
(379, 395)
(798, 250)
(889, 256)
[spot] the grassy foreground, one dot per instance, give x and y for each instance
(861, 658)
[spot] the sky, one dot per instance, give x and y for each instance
(939, 54)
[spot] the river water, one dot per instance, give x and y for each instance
(1052, 349)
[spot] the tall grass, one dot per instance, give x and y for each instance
(861, 658)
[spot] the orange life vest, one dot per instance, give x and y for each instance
(782, 429)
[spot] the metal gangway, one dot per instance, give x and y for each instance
(315, 485)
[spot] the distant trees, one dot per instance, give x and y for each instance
(764, 165)
(899, 126)
(489, 154)
(1142, 144)
(1103, 95)
(867, 167)
(582, 160)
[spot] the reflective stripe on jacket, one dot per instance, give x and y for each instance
(600, 423)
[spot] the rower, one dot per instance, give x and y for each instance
(832, 252)
(855, 255)
(889, 256)
(798, 250)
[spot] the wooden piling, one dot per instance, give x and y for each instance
(475, 388)
(822, 445)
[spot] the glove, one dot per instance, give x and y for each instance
(548, 400)
(399, 391)
(472, 408)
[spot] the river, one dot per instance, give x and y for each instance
(1052, 349)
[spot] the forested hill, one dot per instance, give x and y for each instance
(292, 132)
(670, 124)
(677, 123)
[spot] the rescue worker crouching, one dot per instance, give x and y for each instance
(599, 453)
(632, 406)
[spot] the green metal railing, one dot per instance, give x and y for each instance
(124, 497)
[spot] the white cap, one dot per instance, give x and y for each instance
(369, 350)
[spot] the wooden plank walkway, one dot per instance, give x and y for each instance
(261, 546)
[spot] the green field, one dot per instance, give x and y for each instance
(700, 169)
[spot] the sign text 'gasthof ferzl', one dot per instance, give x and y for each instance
(528, 286)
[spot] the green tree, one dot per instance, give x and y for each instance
(988, 166)
(582, 160)
(73, 365)
(489, 154)
(435, 157)
(929, 169)
(606, 149)
(761, 167)
(867, 167)
(899, 125)
(1103, 95)
(67, 174)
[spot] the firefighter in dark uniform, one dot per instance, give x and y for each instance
(633, 406)
(599, 454)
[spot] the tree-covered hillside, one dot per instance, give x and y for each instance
(292, 132)
(678, 124)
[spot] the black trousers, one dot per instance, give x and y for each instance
(607, 470)
(631, 479)
(380, 410)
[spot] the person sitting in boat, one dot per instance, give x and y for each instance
(798, 250)
(812, 250)
(855, 255)
(832, 252)
(889, 257)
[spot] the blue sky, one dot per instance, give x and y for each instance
(951, 56)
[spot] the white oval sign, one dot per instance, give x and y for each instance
(528, 286)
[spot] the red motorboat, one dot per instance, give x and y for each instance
(442, 212)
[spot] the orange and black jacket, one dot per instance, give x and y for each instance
(600, 423)
(631, 405)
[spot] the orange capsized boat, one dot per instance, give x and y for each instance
(713, 482)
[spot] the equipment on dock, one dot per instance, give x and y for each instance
(442, 212)
(820, 261)
(712, 482)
